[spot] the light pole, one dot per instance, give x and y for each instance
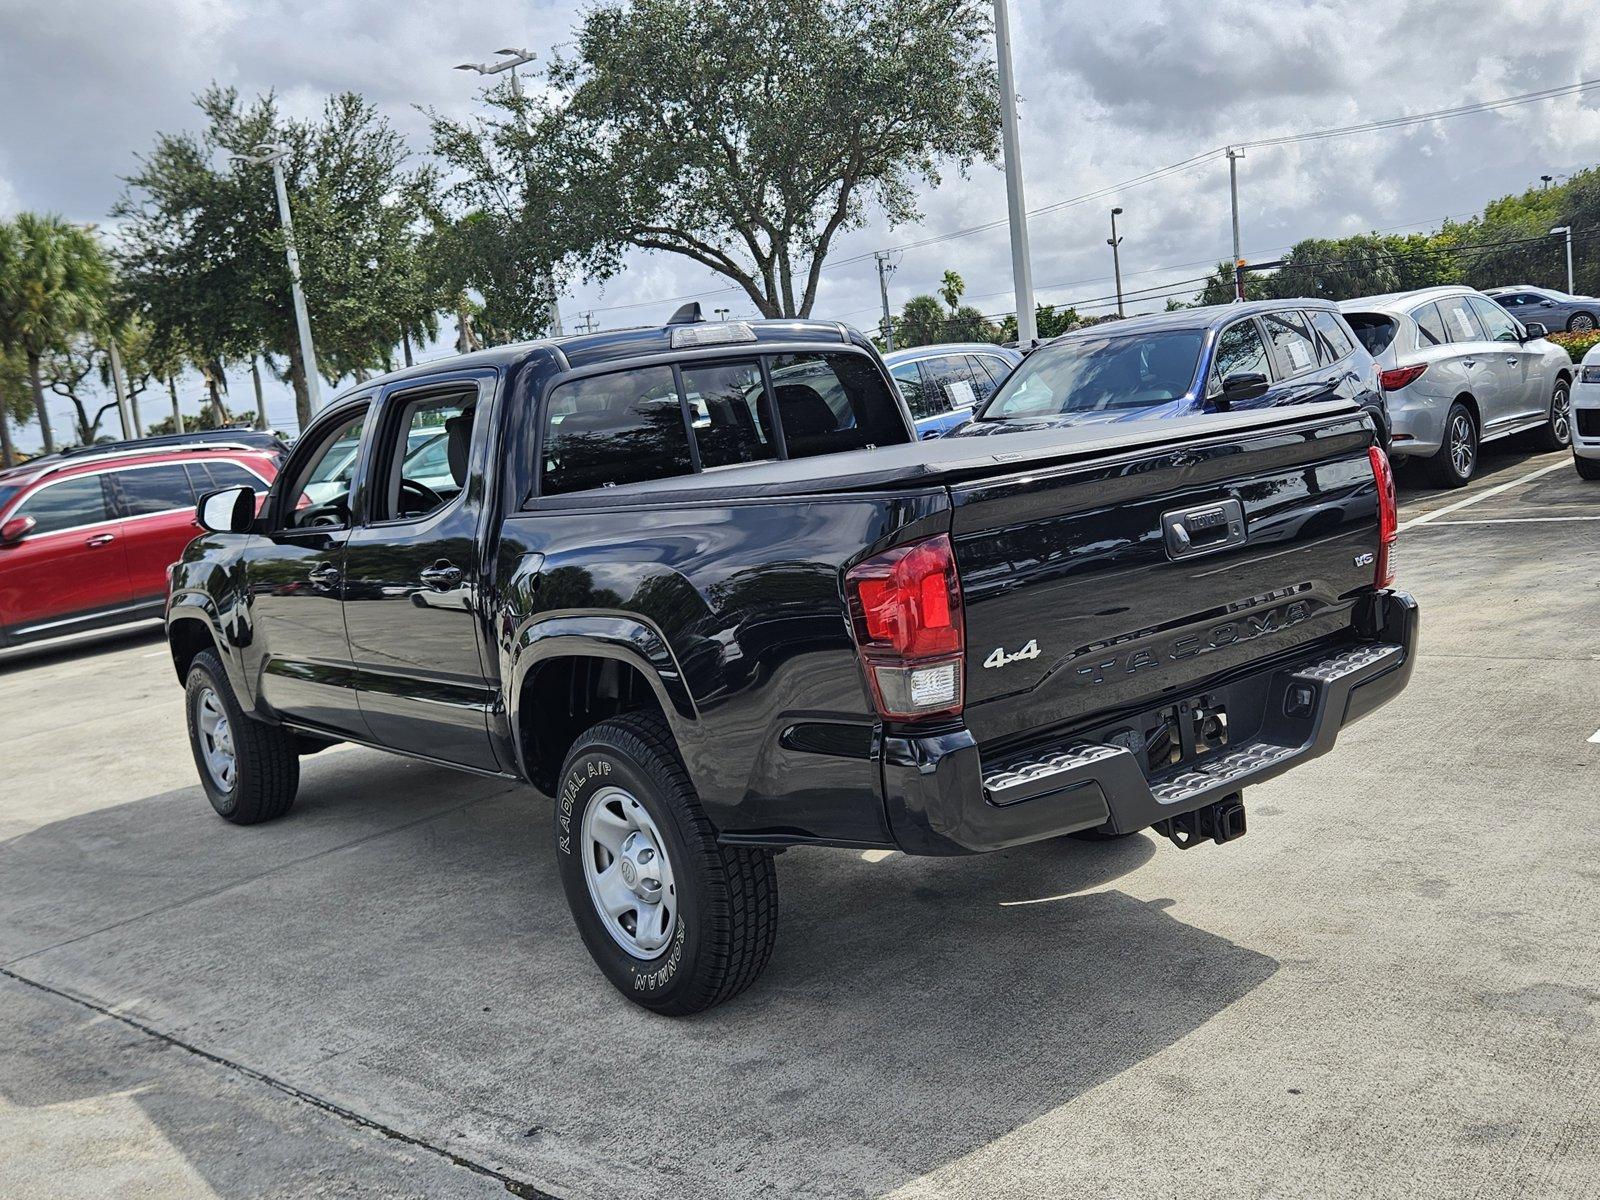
(1567, 229)
(1116, 256)
(1021, 264)
(1234, 155)
(274, 154)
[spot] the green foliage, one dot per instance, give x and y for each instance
(744, 137)
(924, 322)
(194, 423)
(950, 289)
(1577, 344)
(1048, 319)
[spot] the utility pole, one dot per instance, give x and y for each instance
(885, 269)
(1234, 155)
(1567, 229)
(274, 154)
(119, 384)
(1116, 256)
(1021, 263)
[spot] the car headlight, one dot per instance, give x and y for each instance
(1591, 374)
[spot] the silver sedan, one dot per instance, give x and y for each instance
(1458, 371)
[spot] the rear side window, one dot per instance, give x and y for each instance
(64, 505)
(728, 410)
(154, 489)
(1430, 326)
(1291, 342)
(918, 396)
(1336, 340)
(1373, 330)
(952, 378)
(832, 402)
(625, 427)
(1459, 322)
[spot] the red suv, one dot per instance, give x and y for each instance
(86, 537)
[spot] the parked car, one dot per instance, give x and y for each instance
(1586, 416)
(1459, 371)
(774, 619)
(86, 537)
(942, 383)
(1552, 309)
(1220, 358)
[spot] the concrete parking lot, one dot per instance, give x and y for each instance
(1389, 988)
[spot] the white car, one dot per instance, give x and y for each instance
(1586, 416)
(1458, 371)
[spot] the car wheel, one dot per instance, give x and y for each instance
(676, 922)
(1581, 322)
(1588, 468)
(1557, 431)
(1454, 463)
(249, 769)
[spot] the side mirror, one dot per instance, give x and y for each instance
(14, 530)
(1243, 385)
(1532, 329)
(232, 510)
(1547, 304)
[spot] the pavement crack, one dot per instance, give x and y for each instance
(249, 879)
(517, 1187)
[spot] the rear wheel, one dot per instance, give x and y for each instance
(1557, 431)
(677, 922)
(1581, 322)
(249, 769)
(1588, 468)
(1454, 463)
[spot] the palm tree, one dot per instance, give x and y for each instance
(54, 278)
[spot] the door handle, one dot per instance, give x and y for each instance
(101, 539)
(325, 575)
(443, 574)
(1469, 362)
(1513, 362)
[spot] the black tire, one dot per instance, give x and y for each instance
(1443, 468)
(1581, 322)
(1556, 432)
(726, 920)
(267, 769)
(1588, 468)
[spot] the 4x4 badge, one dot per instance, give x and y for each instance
(999, 658)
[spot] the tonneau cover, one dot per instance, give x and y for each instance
(949, 460)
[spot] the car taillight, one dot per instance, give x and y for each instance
(905, 611)
(1388, 517)
(1396, 378)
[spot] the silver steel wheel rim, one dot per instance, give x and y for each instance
(216, 740)
(1561, 415)
(1582, 324)
(1461, 451)
(628, 873)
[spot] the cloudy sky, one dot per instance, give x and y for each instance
(1110, 91)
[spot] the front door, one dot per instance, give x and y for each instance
(411, 577)
(296, 578)
(1521, 368)
(71, 569)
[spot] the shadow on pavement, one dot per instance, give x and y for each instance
(83, 646)
(400, 946)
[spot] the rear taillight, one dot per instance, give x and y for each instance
(1388, 517)
(1396, 378)
(905, 611)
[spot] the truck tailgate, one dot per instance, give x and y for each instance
(1122, 582)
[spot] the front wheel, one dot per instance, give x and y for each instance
(249, 769)
(1556, 433)
(1581, 323)
(677, 922)
(1453, 464)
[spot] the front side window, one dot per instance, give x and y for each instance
(1240, 351)
(606, 430)
(728, 410)
(1459, 323)
(1494, 320)
(1099, 373)
(829, 403)
(321, 495)
(154, 489)
(1291, 342)
(66, 505)
(209, 476)
(987, 372)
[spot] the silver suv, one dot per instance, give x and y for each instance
(1458, 371)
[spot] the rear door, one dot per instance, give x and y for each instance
(1299, 373)
(157, 507)
(1491, 381)
(71, 568)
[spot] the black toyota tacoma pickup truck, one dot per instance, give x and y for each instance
(702, 586)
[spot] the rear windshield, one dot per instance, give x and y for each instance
(1097, 374)
(1374, 330)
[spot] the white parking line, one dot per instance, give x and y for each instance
(1425, 518)
(1511, 521)
(1595, 737)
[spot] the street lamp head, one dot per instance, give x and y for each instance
(478, 67)
(514, 50)
(1116, 212)
(1562, 229)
